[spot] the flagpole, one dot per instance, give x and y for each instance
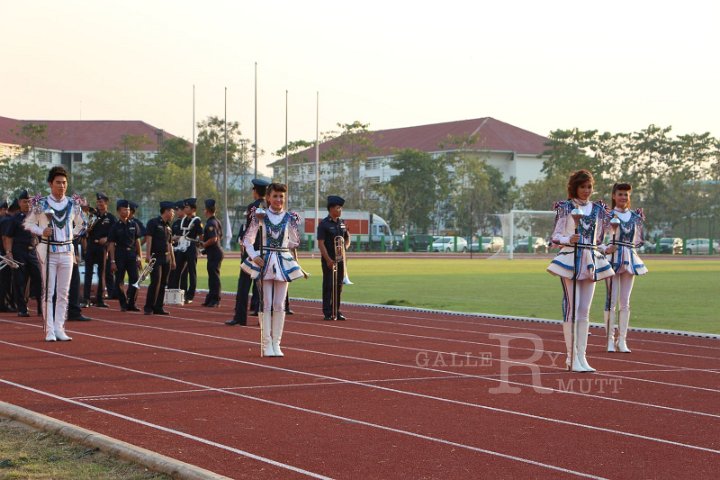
(317, 166)
(256, 127)
(194, 171)
(287, 161)
(225, 184)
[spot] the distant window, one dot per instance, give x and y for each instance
(372, 164)
(77, 157)
(373, 179)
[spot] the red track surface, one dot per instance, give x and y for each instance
(386, 394)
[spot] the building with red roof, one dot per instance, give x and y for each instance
(516, 152)
(69, 142)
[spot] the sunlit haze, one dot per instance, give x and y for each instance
(612, 66)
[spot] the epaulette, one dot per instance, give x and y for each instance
(640, 213)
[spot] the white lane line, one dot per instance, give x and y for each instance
(441, 316)
(283, 386)
(393, 390)
(479, 358)
(283, 405)
(167, 430)
(380, 362)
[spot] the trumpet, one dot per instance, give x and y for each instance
(9, 262)
(145, 272)
(339, 258)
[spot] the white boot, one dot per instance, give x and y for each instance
(278, 323)
(266, 349)
(572, 363)
(610, 329)
(60, 331)
(49, 328)
(624, 324)
(582, 336)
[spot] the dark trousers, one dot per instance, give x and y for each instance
(156, 291)
(184, 276)
(74, 310)
(95, 256)
(241, 299)
(110, 279)
(30, 271)
(126, 264)
(327, 287)
(214, 262)
(6, 289)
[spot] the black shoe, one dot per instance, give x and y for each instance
(254, 313)
(102, 305)
(329, 318)
(23, 314)
(289, 312)
(188, 301)
(212, 305)
(123, 309)
(161, 312)
(235, 322)
(79, 318)
(340, 316)
(132, 308)
(147, 312)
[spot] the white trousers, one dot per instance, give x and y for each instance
(59, 273)
(585, 289)
(622, 285)
(274, 295)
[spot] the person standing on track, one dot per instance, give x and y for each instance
(96, 253)
(331, 227)
(56, 219)
(158, 245)
(125, 255)
(188, 233)
(244, 280)
(579, 264)
(276, 266)
(626, 263)
(212, 241)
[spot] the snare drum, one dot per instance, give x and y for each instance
(174, 296)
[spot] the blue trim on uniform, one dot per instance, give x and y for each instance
(566, 267)
(606, 267)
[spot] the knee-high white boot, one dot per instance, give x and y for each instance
(610, 329)
(49, 327)
(60, 330)
(278, 323)
(266, 349)
(624, 324)
(572, 362)
(582, 336)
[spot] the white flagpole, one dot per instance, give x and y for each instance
(287, 160)
(256, 126)
(317, 168)
(228, 231)
(194, 172)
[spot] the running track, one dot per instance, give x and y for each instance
(386, 394)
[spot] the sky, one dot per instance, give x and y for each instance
(615, 66)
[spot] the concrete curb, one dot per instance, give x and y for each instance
(153, 461)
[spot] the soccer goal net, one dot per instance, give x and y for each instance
(524, 232)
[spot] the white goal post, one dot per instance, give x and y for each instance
(520, 226)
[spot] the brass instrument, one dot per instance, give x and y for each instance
(339, 258)
(145, 272)
(9, 262)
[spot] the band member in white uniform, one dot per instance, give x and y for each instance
(275, 266)
(626, 263)
(56, 219)
(579, 263)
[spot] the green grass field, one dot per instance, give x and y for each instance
(676, 294)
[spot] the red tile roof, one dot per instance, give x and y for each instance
(491, 135)
(83, 135)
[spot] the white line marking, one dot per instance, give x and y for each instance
(168, 430)
(278, 404)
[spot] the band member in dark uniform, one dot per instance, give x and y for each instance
(125, 254)
(158, 246)
(187, 234)
(332, 226)
(96, 253)
(244, 280)
(212, 241)
(6, 290)
(74, 307)
(19, 245)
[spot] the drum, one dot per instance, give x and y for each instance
(174, 296)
